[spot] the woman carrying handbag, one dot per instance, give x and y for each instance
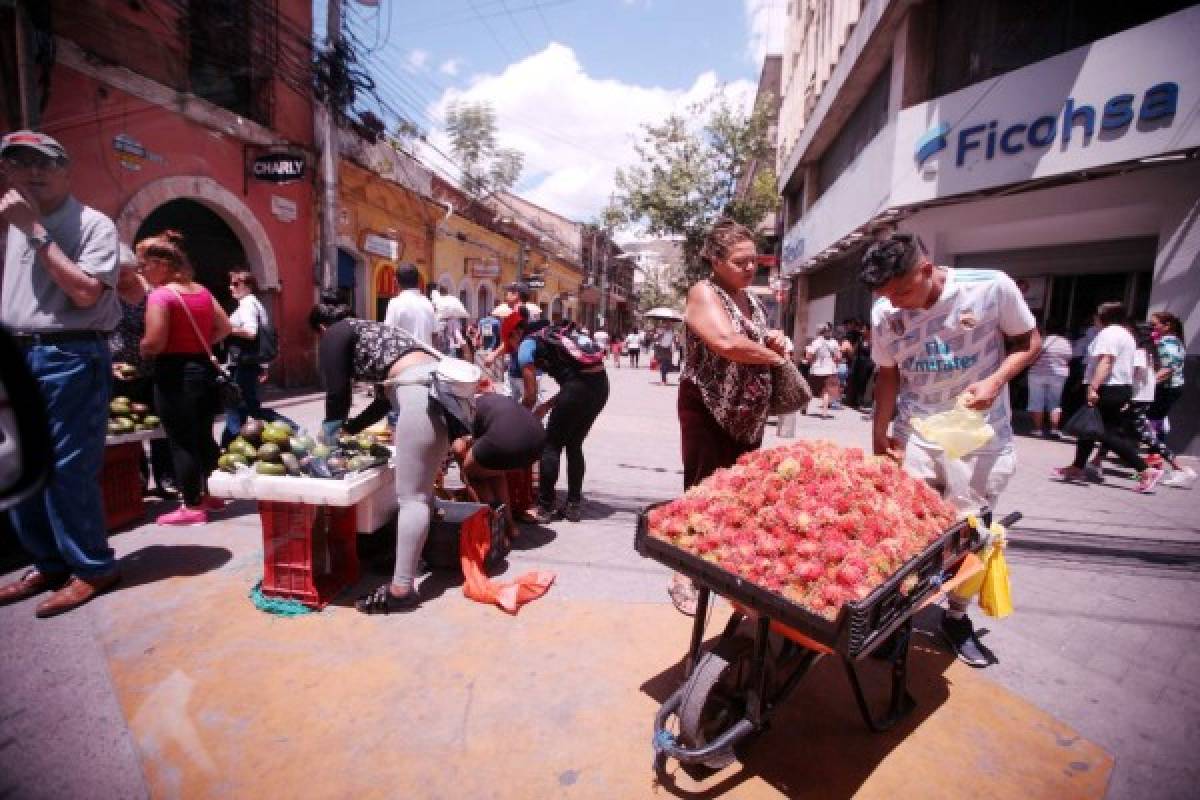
(183, 320)
(726, 382)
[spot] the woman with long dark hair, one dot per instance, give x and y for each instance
(183, 322)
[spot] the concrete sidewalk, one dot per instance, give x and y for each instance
(175, 685)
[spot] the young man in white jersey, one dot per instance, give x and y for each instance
(939, 334)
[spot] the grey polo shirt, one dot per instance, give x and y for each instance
(30, 300)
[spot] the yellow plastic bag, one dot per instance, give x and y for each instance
(995, 593)
(971, 586)
(958, 431)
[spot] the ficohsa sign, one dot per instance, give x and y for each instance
(986, 140)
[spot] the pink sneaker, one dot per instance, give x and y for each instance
(184, 516)
(211, 503)
(1149, 479)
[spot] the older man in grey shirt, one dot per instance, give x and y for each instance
(58, 299)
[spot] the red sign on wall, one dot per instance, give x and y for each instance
(385, 282)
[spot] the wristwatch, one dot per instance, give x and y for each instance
(40, 242)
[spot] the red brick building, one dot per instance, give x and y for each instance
(195, 116)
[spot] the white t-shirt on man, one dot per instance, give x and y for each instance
(1118, 342)
(601, 338)
(413, 312)
(942, 350)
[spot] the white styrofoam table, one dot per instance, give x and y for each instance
(371, 492)
(136, 436)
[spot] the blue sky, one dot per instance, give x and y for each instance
(571, 80)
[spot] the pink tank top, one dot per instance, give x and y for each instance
(181, 338)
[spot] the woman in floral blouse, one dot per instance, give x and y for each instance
(725, 379)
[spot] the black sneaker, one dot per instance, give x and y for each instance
(960, 634)
(571, 512)
(382, 601)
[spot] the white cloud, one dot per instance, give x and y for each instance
(450, 66)
(766, 21)
(417, 59)
(574, 129)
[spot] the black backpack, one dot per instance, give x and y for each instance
(565, 347)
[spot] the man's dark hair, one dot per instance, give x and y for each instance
(522, 290)
(1112, 313)
(407, 276)
(889, 258)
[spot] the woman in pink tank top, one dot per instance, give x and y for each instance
(183, 321)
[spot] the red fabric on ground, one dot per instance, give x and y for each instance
(475, 539)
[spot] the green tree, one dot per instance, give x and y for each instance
(487, 168)
(686, 176)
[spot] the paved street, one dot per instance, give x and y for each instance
(153, 689)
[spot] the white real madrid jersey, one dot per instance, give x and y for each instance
(942, 350)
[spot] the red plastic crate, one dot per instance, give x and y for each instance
(308, 551)
(121, 484)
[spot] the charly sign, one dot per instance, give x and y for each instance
(278, 167)
(989, 139)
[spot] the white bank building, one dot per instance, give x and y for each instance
(1076, 173)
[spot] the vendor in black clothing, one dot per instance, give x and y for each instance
(581, 397)
(504, 436)
(356, 349)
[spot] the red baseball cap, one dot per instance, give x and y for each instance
(40, 142)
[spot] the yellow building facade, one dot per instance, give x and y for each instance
(380, 225)
(473, 263)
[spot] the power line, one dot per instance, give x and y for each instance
(516, 27)
(491, 31)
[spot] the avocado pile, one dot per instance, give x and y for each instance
(275, 449)
(127, 417)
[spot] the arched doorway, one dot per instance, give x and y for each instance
(211, 245)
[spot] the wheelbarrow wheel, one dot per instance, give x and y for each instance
(715, 697)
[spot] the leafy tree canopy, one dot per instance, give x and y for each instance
(487, 168)
(686, 176)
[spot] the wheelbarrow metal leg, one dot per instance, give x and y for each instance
(693, 655)
(758, 672)
(901, 701)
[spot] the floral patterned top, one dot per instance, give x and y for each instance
(1170, 356)
(737, 395)
(125, 339)
(359, 350)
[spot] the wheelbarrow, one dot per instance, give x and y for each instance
(770, 643)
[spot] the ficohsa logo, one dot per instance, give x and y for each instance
(1156, 109)
(931, 142)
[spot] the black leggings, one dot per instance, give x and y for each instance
(580, 401)
(185, 397)
(1112, 405)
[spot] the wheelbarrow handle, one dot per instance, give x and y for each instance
(1011, 519)
(665, 743)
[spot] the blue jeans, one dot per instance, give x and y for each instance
(246, 376)
(63, 526)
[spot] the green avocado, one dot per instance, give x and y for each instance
(267, 468)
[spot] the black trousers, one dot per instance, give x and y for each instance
(141, 390)
(1112, 407)
(580, 401)
(186, 399)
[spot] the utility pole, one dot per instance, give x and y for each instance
(325, 121)
(24, 69)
